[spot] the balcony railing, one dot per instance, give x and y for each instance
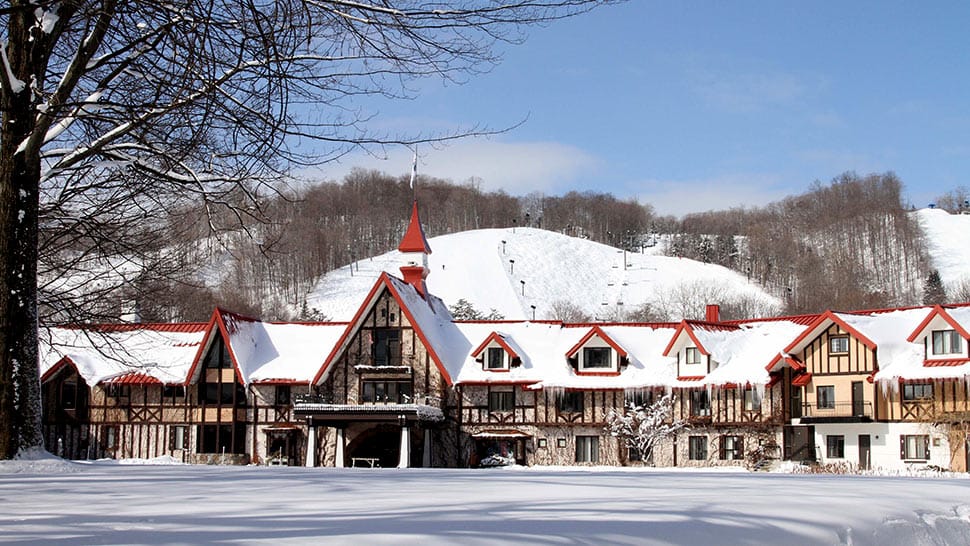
(840, 411)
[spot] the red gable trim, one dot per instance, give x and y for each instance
(414, 239)
(496, 337)
(820, 321)
(58, 366)
(596, 331)
(217, 324)
(353, 325)
(938, 311)
(801, 380)
(382, 281)
(690, 377)
(945, 362)
(684, 326)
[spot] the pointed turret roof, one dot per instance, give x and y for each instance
(414, 239)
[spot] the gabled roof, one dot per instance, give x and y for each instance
(428, 316)
(414, 239)
(597, 332)
(102, 352)
(690, 327)
(218, 326)
(938, 311)
(822, 323)
(500, 339)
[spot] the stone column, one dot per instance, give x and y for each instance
(404, 460)
(311, 444)
(339, 463)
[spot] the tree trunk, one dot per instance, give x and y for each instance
(20, 415)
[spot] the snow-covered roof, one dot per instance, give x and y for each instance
(163, 352)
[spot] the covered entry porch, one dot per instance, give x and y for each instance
(372, 435)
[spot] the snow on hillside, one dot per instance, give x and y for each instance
(947, 240)
(510, 270)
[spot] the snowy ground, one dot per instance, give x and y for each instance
(55, 502)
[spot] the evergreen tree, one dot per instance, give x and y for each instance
(933, 291)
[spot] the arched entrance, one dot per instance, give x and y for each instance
(380, 444)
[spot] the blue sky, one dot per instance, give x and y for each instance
(699, 105)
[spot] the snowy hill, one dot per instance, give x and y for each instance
(510, 270)
(947, 240)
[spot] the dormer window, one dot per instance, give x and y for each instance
(947, 342)
(692, 355)
(495, 359)
(597, 358)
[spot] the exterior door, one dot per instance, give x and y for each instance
(800, 443)
(796, 402)
(858, 399)
(865, 451)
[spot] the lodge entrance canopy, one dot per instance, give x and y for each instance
(319, 412)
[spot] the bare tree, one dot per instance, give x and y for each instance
(642, 427)
(150, 104)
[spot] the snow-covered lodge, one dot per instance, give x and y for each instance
(403, 384)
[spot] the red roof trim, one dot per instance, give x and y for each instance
(414, 239)
(929, 363)
(382, 280)
(218, 324)
(595, 331)
(206, 340)
(133, 378)
(773, 380)
(57, 367)
(801, 380)
(498, 338)
(829, 316)
(938, 311)
(279, 382)
(690, 377)
(684, 326)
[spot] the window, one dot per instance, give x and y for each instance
(639, 399)
(692, 356)
(218, 357)
(115, 390)
(495, 358)
(947, 342)
(386, 392)
(283, 394)
(110, 437)
(68, 395)
(700, 404)
(587, 449)
(752, 399)
(387, 347)
(501, 401)
(825, 397)
(917, 391)
(178, 437)
(838, 344)
(732, 448)
(914, 447)
(570, 402)
(835, 446)
(173, 393)
(597, 357)
(698, 448)
(226, 438)
(542, 443)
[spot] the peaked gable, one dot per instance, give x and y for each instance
(422, 322)
(938, 312)
(218, 326)
(501, 340)
(596, 331)
(822, 323)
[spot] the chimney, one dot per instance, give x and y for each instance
(713, 313)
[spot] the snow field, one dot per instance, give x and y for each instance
(53, 502)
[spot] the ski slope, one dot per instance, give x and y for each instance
(947, 240)
(510, 270)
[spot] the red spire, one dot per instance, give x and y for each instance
(414, 239)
